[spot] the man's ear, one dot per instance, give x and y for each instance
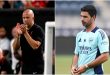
(33, 18)
(94, 17)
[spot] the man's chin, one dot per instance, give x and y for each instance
(84, 25)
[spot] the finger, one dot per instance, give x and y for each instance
(72, 72)
(76, 74)
(77, 71)
(17, 25)
(21, 27)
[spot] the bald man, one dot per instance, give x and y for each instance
(30, 37)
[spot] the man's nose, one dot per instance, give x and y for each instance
(25, 19)
(82, 18)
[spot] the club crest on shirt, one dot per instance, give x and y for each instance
(90, 40)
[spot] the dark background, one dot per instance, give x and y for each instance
(66, 45)
(9, 17)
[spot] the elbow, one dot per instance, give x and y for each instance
(15, 48)
(13, 45)
(36, 45)
(106, 56)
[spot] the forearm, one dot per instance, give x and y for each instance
(99, 60)
(75, 60)
(33, 43)
(16, 43)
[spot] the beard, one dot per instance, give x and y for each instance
(84, 23)
(87, 24)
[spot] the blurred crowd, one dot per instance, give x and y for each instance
(21, 4)
(9, 61)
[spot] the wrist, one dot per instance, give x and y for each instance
(73, 65)
(86, 66)
(25, 33)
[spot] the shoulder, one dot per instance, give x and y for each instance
(38, 30)
(101, 33)
(98, 31)
(38, 27)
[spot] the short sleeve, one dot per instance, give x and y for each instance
(76, 46)
(38, 34)
(103, 42)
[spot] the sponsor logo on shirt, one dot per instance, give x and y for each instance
(84, 49)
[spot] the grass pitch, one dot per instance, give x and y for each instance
(63, 64)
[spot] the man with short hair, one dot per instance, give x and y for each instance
(31, 40)
(92, 45)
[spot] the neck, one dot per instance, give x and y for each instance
(90, 28)
(30, 25)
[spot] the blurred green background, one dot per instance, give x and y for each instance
(63, 64)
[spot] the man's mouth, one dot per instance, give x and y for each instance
(84, 23)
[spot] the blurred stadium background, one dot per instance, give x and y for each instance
(68, 24)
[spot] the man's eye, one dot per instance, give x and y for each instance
(85, 16)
